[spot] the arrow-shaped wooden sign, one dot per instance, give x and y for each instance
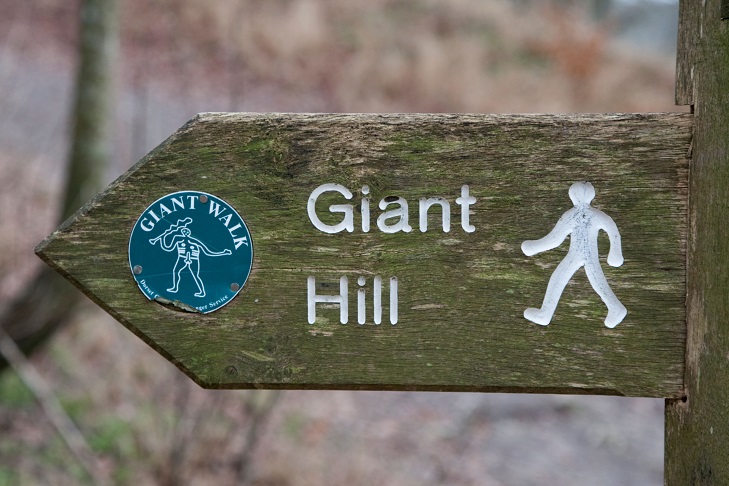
(520, 253)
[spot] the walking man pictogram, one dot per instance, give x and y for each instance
(188, 254)
(582, 224)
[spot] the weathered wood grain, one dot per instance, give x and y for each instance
(697, 427)
(462, 295)
(689, 25)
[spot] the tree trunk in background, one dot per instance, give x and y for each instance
(48, 301)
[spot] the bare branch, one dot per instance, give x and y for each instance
(58, 417)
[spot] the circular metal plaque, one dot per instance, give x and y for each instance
(191, 249)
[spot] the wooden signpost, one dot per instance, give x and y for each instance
(444, 274)
(413, 252)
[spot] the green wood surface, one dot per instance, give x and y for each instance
(461, 295)
(697, 427)
(688, 21)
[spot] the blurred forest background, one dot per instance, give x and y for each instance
(140, 420)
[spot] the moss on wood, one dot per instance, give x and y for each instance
(462, 294)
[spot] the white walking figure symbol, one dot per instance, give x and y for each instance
(188, 253)
(582, 224)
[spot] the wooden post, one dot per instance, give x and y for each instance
(697, 426)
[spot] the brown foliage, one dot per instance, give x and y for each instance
(144, 419)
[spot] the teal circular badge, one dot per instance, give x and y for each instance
(191, 249)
